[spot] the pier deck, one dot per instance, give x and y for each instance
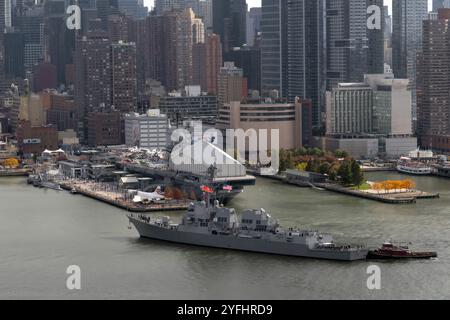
(407, 197)
(116, 199)
(14, 173)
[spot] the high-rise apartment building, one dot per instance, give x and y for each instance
(123, 76)
(93, 72)
(232, 84)
(105, 78)
(171, 37)
(434, 84)
(207, 61)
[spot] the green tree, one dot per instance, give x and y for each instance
(286, 160)
(313, 166)
(316, 152)
(289, 161)
(333, 171)
(357, 174)
(341, 154)
(324, 168)
(283, 165)
(345, 173)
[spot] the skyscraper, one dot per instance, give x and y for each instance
(230, 22)
(162, 6)
(123, 76)
(305, 54)
(201, 8)
(92, 79)
(5, 14)
(14, 54)
(249, 60)
(32, 26)
(407, 34)
(292, 51)
(232, 84)
(171, 39)
(104, 9)
(434, 84)
(133, 8)
(352, 48)
(207, 61)
(59, 41)
(408, 16)
(253, 25)
(274, 47)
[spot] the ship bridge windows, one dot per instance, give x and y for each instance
(203, 222)
(247, 221)
(222, 219)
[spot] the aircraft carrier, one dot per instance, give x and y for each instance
(228, 179)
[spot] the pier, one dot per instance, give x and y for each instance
(14, 173)
(310, 180)
(118, 200)
(406, 197)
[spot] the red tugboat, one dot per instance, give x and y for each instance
(390, 251)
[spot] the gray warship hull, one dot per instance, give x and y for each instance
(234, 242)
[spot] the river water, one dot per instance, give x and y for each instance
(42, 232)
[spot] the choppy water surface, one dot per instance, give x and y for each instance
(42, 232)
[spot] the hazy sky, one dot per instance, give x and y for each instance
(257, 3)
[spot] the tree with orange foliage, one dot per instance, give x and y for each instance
(11, 163)
(168, 193)
(396, 185)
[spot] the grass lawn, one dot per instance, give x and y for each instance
(363, 187)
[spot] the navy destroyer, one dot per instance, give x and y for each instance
(212, 225)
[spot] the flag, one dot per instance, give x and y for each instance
(206, 189)
(228, 188)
